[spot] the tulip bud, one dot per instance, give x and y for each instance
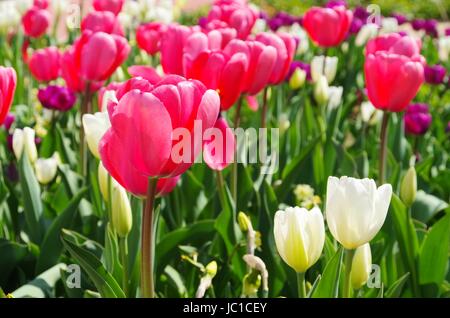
(211, 269)
(369, 114)
(297, 79)
(321, 91)
(444, 48)
(46, 169)
(283, 122)
(95, 127)
(244, 222)
(23, 139)
(408, 188)
(335, 96)
(388, 25)
(103, 181)
(367, 32)
(251, 284)
(324, 65)
(361, 266)
(121, 211)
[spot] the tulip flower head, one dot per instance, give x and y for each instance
(299, 236)
(57, 98)
(95, 126)
(35, 22)
(356, 209)
(122, 218)
(148, 37)
(417, 119)
(219, 150)
(102, 21)
(45, 64)
(114, 6)
(324, 65)
(8, 82)
(435, 74)
(361, 266)
(393, 71)
(23, 142)
(46, 169)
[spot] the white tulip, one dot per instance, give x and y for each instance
(334, 96)
(367, 32)
(46, 169)
(321, 90)
(388, 25)
(9, 17)
(122, 219)
(108, 96)
(95, 127)
(444, 48)
(321, 65)
(361, 266)
(298, 31)
(23, 139)
(356, 209)
(299, 236)
(260, 26)
(23, 5)
(297, 79)
(59, 6)
(103, 177)
(369, 114)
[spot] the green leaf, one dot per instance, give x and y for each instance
(51, 246)
(176, 280)
(328, 286)
(396, 289)
(433, 258)
(426, 206)
(106, 285)
(32, 202)
(11, 254)
(42, 286)
(110, 253)
(314, 286)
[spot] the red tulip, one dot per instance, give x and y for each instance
(148, 126)
(41, 4)
(8, 81)
(172, 45)
(97, 55)
(327, 27)
(285, 48)
(148, 36)
(146, 72)
(393, 71)
(262, 60)
(45, 64)
(220, 146)
(114, 6)
(102, 21)
(35, 22)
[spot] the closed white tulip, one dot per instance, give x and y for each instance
(321, 90)
(95, 127)
(367, 32)
(46, 169)
(324, 65)
(444, 48)
(9, 17)
(23, 140)
(361, 266)
(122, 218)
(334, 96)
(356, 209)
(299, 236)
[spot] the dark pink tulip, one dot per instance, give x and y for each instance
(220, 145)
(146, 72)
(327, 27)
(113, 86)
(8, 81)
(45, 64)
(9, 120)
(393, 71)
(35, 22)
(145, 138)
(285, 47)
(57, 98)
(172, 45)
(102, 21)
(435, 74)
(148, 36)
(417, 119)
(114, 6)
(97, 55)
(41, 4)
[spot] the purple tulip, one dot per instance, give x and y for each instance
(336, 3)
(401, 19)
(430, 26)
(418, 24)
(417, 119)
(434, 74)
(356, 25)
(11, 172)
(275, 23)
(9, 120)
(447, 129)
(203, 22)
(57, 98)
(361, 13)
(447, 32)
(301, 65)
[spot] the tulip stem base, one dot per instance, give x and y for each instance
(123, 250)
(85, 108)
(348, 268)
(147, 282)
(301, 285)
(264, 108)
(234, 167)
(383, 148)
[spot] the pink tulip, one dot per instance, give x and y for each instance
(285, 48)
(97, 55)
(220, 148)
(41, 4)
(35, 22)
(114, 6)
(113, 86)
(327, 27)
(146, 72)
(145, 128)
(172, 45)
(102, 21)
(393, 71)
(262, 59)
(8, 81)
(148, 36)
(45, 64)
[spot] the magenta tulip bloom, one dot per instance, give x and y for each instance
(220, 146)
(393, 71)
(97, 55)
(57, 98)
(114, 6)
(45, 64)
(152, 130)
(417, 119)
(148, 36)
(102, 21)
(8, 81)
(172, 45)
(35, 22)
(146, 72)
(327, 27)
(435, 74)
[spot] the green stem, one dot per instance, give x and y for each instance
(234, 170)
(221, 188)
(301, 285)
(147, 283)
(348, 268)
(109, 198)
(383, 148)
(123, 250)
(411, 239)
(264, 108)
(86, 100)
